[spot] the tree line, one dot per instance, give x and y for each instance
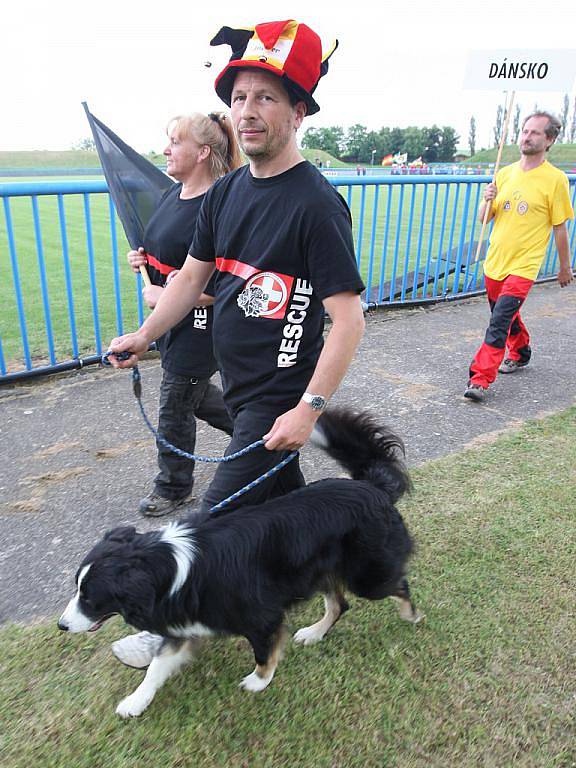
(568, 132)
(359, 145)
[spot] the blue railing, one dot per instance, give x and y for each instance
(67, 289)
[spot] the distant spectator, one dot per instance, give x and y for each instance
(528, 199)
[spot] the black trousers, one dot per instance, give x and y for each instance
(249, 425)
(182, 400)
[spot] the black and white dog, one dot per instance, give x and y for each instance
(237, 574)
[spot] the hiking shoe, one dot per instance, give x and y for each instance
(511, 366)
(155, 505)
(137, 650)
(475, 392)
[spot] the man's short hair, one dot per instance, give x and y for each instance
(293, 95)
(554, 126)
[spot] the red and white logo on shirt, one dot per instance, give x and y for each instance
(266, 294)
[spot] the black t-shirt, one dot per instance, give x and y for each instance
(281, 245)
(187, 348)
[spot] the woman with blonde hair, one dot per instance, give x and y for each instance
(201, 148)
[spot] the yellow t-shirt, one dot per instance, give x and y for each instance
(527, 206)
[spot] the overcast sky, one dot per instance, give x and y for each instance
(138, 63)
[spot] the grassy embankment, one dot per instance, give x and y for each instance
(560, 154)
(86, 159)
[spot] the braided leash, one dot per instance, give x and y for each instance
(254, 483)
(137, 389)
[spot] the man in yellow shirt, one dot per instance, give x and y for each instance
(528, 199)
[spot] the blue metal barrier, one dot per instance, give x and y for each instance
(72, 290)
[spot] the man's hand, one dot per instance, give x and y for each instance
(291, 430)
(136, 343)
(486, 212)
(565, 276)
(490, 192)
(137, 259)
(151, 294)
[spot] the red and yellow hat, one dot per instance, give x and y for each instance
(288, 49)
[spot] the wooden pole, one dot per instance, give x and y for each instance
(496, 169)
(145, 276)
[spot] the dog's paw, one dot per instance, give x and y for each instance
(308, 636)
(407, 610)
(254, 683)
(132, 706)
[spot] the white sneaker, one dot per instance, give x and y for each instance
(137, 650)
(511, 366)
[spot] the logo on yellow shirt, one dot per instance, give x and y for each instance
(522, 207)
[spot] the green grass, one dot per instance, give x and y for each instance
(43, 158)
(559, 153)
(29, 273)
(422, 237)
(313, 154)
(486, 680)
(86, 159)
(48, 159)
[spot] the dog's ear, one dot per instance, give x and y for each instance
(136, 594)
(122, 534)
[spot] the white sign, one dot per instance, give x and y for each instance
(520, 70)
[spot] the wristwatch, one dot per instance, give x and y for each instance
(316, 402)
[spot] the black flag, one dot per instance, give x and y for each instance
(135, 184)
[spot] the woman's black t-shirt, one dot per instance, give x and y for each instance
(187, 348)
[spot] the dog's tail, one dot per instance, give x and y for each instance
(367, 450)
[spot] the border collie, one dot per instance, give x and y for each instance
(237, 574)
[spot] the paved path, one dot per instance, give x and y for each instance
(76, 456)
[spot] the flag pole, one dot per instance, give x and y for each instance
(145, 276)
(488, 206)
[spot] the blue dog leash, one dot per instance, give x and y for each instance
(137, 389)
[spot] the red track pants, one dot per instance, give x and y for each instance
(506, 329)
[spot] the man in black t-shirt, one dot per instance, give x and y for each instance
(281, 246)
(279, 238)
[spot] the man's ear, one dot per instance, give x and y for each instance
(300, 111)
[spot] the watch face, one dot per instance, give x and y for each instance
(316, 402)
